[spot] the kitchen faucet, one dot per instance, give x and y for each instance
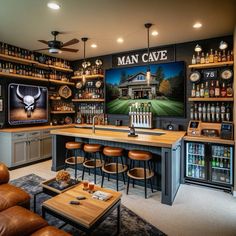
(94, 123)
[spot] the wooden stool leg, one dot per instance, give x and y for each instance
(145, 179)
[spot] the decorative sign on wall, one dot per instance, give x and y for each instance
(160, 54)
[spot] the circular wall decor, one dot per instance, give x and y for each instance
(68, 120)
(65, 91)
(79, 85)
(226, 74)
(98, 84)
(195, 76)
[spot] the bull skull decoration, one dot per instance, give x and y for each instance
(28, 100)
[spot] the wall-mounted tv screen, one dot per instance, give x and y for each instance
(164, 90)
(27, 104)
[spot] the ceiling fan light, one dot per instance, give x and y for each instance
(54, 50)
(198, 48)
(223, 45)
(53, 6)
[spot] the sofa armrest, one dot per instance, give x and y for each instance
(4, 174)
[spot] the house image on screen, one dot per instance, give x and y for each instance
(136, 87)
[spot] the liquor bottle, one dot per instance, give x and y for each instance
(211, 56)
(203, 173)
(197, 172)
(202, 59)
(222, 111)
(198, 59)
(195, 112)
(228, 55)
(215, 57)
(207, 58)
(204, 112)
(206, 91)
(223, 91)
(213, 163)
(200, 111)
(229, 91)
(212, 89)
(221, 163)
(225, 163)
(194, 60)
(197, 91)
(223, 58)
(231, 55)
(219, 57)
(217, 112)
(217, 162)
(213, 112)
(202, 90)
(208, 112)
(203, 161)
(227, 114)
(217, 89)
(192, 112)
(193, 172)
(193, 91)
(189, 171)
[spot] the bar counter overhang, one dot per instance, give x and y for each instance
(166, 144)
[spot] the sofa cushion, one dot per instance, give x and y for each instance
(4, 174)
(11, 196)
(17, 221)
(50, 231)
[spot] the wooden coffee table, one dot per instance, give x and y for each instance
(86, 216)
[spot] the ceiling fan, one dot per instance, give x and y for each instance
(55, 46)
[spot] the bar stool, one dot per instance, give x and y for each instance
(73, 147)
(113, 167)
(94, 163)
(140, 173)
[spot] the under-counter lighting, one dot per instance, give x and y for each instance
(197, 25)
(93, 45)
(54, 5)
(154, 33)
(120, 40)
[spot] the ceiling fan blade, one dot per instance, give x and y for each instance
(40, 49)
(72, 41)
(69, 50)
(43, 41)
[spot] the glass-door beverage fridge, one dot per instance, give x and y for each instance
(209, 163)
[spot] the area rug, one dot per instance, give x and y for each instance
(131, 224)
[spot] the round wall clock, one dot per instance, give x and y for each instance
(195, 76)
(226, 74)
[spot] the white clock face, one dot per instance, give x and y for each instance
(195, 76)
(226, 74)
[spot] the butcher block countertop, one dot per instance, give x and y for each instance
(153, 137)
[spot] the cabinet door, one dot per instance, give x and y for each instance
(46, 147)
(34, 149)
(20, 152)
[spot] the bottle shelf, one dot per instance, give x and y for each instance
(213, 156)
(212, 99)
(55, 98)
(62, 112)
(10, 75)
(219, 168)
(211, 65)
(88, 77)
(88, 100)
(192, 164)
(54, 81)
(32, 62)
(195, 154)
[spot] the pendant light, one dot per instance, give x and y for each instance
(84, 64)
(148, 73)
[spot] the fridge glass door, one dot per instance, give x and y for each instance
(221, 164)
(195, 160)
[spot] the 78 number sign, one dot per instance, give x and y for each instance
(210, 74)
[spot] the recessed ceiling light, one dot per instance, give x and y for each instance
(120, 40)
(154, 33)
(54, 5)
(197, 25)
(93, 45)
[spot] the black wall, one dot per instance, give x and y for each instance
(183, 52)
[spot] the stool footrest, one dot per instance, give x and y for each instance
(71, 160)
(111, 168)
(138, 173)
(91, 164)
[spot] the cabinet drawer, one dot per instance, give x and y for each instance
(19, 135)
(45, 133)
(33, 134)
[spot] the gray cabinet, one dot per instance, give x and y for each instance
(24, 147)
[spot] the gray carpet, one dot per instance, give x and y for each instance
(131, 224)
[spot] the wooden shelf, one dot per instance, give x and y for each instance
(54, 98)
(227, 99)
(31, 62)
(62, 112)
(8, 75)
(88, 77)
(210, 65)
(54, 81)
(89, 100)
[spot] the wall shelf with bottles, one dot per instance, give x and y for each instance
(88, 77)
(12, 76)
(88, 100)
(61, 82)
(62, 112)
(211, 65)
(214, 99)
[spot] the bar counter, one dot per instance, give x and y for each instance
(163, 144)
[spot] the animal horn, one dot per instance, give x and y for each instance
(19, 93)
(38, 94)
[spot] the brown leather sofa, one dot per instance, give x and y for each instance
(15, 220)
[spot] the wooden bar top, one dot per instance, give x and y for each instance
(208, 139)
(33, 128)
(167, 139)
